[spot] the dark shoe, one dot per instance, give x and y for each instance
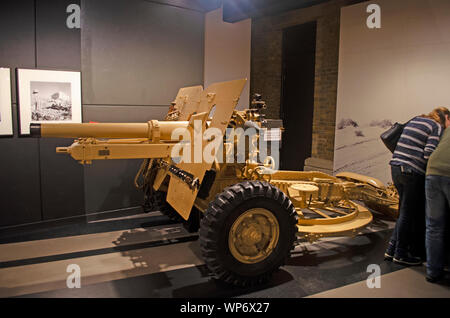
(434, 279)
(408, 260)
(388, 257)
(390, 251)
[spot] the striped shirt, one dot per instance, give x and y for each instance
(416, 144)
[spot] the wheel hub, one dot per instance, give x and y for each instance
(253, 235)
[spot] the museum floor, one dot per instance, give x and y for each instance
(148, 256)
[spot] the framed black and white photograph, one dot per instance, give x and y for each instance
(48, 97)
(6, 127)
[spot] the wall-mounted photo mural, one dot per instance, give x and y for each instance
(383, 81)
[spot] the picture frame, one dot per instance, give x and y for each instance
(6, 126)
(48, 96)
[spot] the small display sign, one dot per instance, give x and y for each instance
(273, 134)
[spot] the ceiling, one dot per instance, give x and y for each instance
(237, 10)
(197, 5)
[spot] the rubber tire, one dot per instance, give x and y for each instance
(220, 216)
(158, 203)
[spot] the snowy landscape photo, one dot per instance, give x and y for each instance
(381, 81)
(358, 148)
(50, 101)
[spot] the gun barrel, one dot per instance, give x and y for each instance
(108, 130)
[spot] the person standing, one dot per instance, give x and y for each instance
(437, 189)
(419, 139)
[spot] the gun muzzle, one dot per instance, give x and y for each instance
(35, 130)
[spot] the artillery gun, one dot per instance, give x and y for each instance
(249, 214)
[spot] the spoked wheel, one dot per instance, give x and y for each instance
(248, 232)
(390, 210)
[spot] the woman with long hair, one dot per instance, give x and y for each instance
(419, 139)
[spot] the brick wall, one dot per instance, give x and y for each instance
(266, 66)
(325, 90)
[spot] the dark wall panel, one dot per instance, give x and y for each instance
(62, 181)
(109, 184)
(20, 200)
(17, 37)
(139, 53)
(58, 47)
(123, 114)
(135, 57)
(19, 160)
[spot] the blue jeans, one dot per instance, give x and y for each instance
(437, 215)
(409, 232)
